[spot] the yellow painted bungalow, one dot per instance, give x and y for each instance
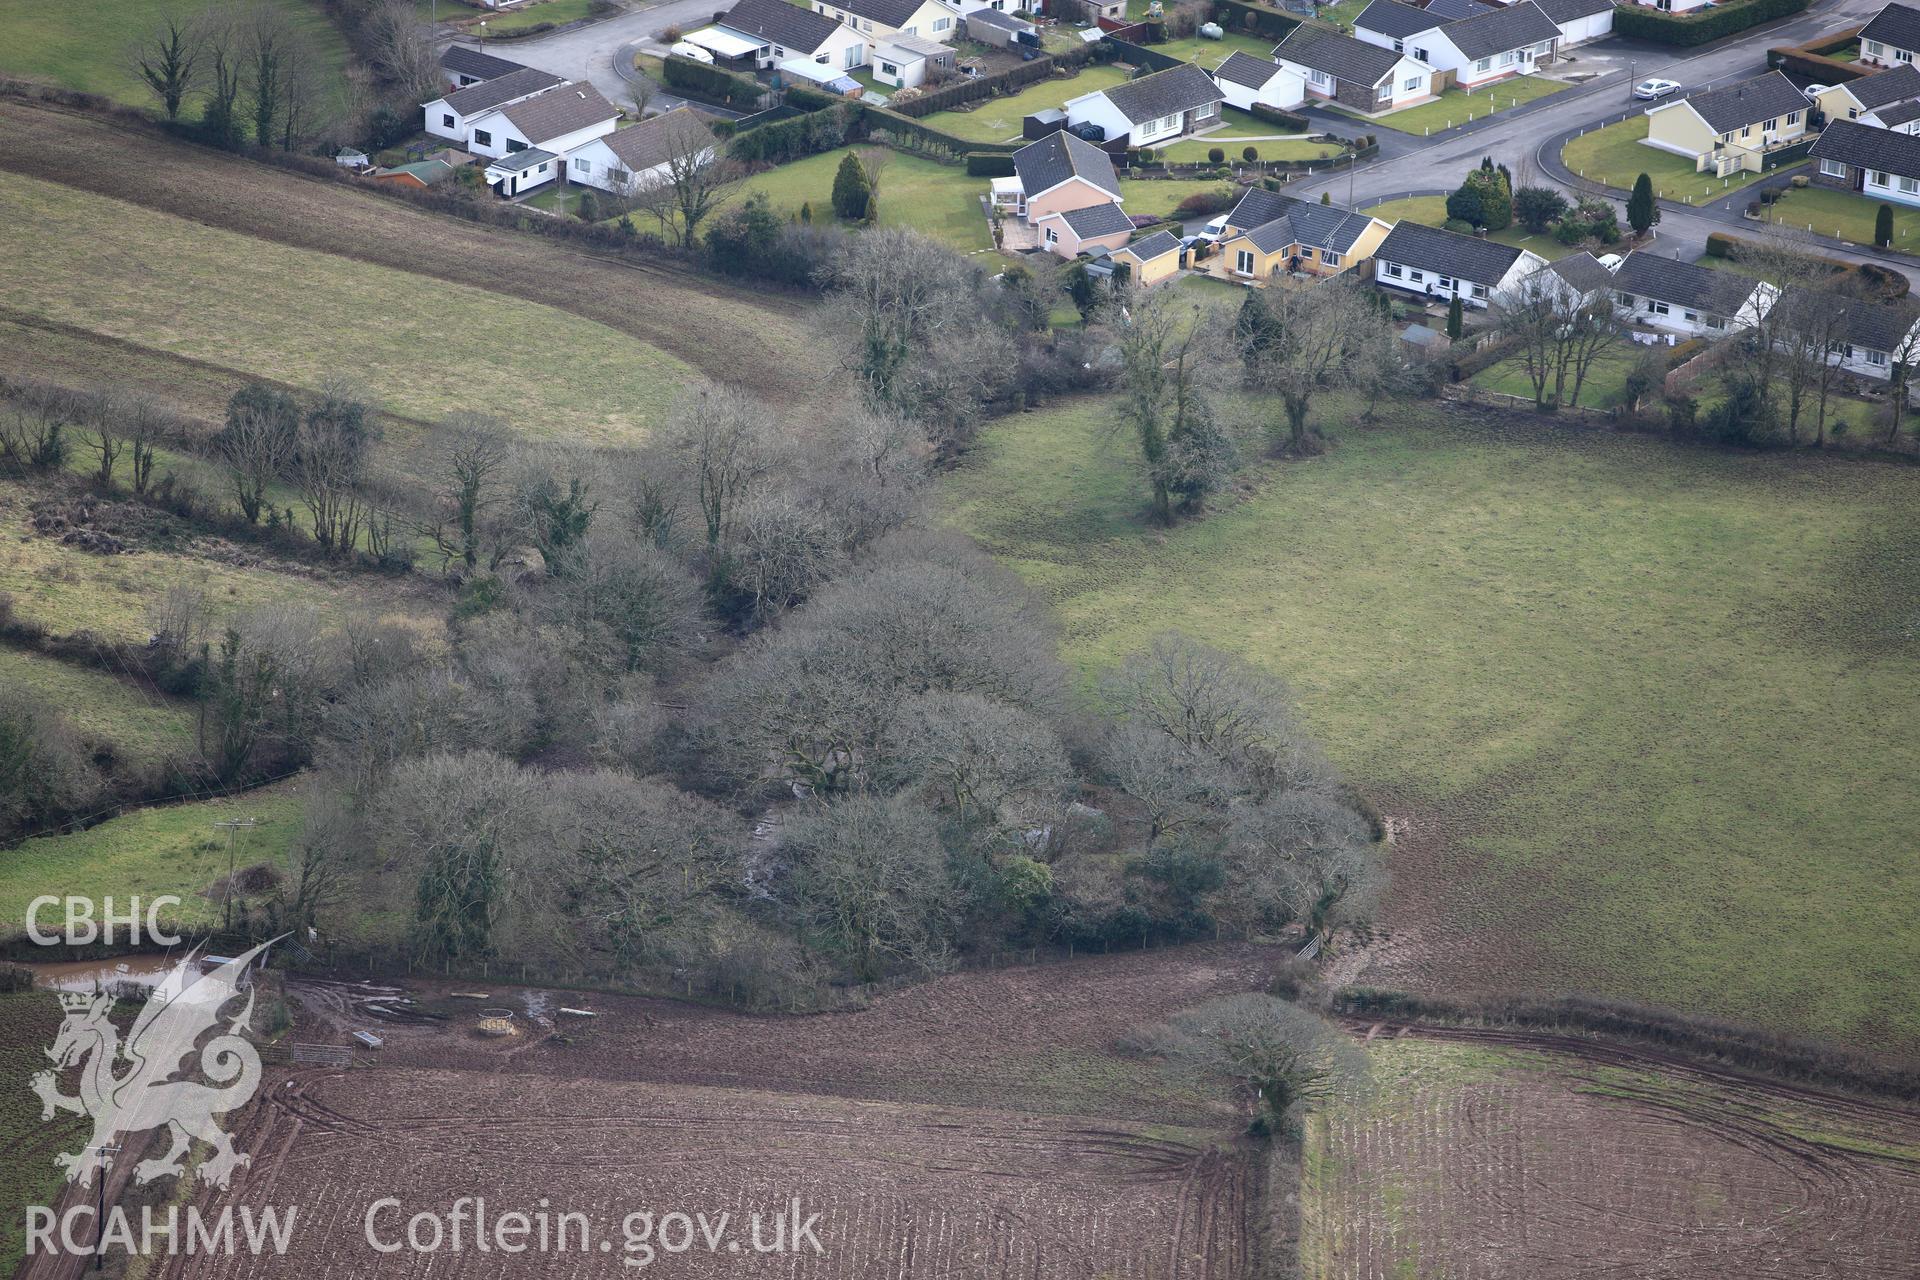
(1152, 258)
(1732, 128)
(1269, 234)
(879, 19)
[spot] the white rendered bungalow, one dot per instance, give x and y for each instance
(1440, 265)
(451, 117)
(558, 121)
(1153, 109)
(1247, 81)
(1353, 73)
(1479, 50)
(642, 155)
(1686, 298)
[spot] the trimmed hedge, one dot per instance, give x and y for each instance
(989, 164)
(1236, 15)
(699, 80)
(1702, 25)
(1285, 119)
(792, 139)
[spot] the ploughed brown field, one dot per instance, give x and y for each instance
(994, 1125)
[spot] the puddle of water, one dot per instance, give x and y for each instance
(88, 975)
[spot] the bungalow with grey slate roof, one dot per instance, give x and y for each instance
(1246, 81)
(1513, 41)
(1879, 163)
(769, 32)
(1892, 39)
(646, 154)
(1684, 297)
(452, 116)
(1863, 338)
(1072, 232)
(1579, 20)
(1269, 234)
(1151, 110)
(1353, 73)
(1884, 100)
(1058, 173)
(1730, 129)
(464, 66)
(556, 123)
(1440, 265)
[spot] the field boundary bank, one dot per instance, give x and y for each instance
(1709, 1046)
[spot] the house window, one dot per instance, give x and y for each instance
(1391, 270)
(619, 177)
(1318, 77)
(1243, 262)
(1412, 84)
(1448, 283)
(481, 138)
(1479, 291)
(1659, 308)
(1908, 186)
(1624, 299)
(1385, 93)
(1483, 64)
(941, 24)
(1879, 178)
(1853, 113)
(1903, 55)
(1693, 317)
(1416, 275)
(1832, 169)
(1329, 257)
(1726, 137)
(542, 168)
(1053, 237)
(514, 144)
(889, 69)
(1875, 48)
(1306, 255)
(1793, 117)
(1422, 55)
(1715, 322)
(1399, 47)
(447, 121)
(1874, 357)
(581, 165)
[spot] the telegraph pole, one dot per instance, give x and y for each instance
(107, 1152)
(232, 825)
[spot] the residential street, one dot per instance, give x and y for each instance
(602, 53)
(1415, 166)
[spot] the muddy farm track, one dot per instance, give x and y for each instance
(765, 342)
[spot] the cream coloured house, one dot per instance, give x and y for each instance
(1730, 129)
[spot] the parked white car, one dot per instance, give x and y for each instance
(1813, 91)
(1650, 90)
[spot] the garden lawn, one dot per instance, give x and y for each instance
(1454, 107)
(1240, 130)
(1211, 53)
(1617, 155)
(1605, 385)
(1845, 216)
(426, 346)
(1647, 709)
(532, 15)
(938, 199)
(1159, 196)
(82, 43)
(1431, 211)
(998, 119)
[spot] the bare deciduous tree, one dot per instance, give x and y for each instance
(1167, 355)
(471, 456)
(694, 178)
(257, 443)
(1298, 343)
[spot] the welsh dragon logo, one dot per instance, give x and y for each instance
(131, 1088)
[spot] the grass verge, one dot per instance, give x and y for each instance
(1617, 155)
